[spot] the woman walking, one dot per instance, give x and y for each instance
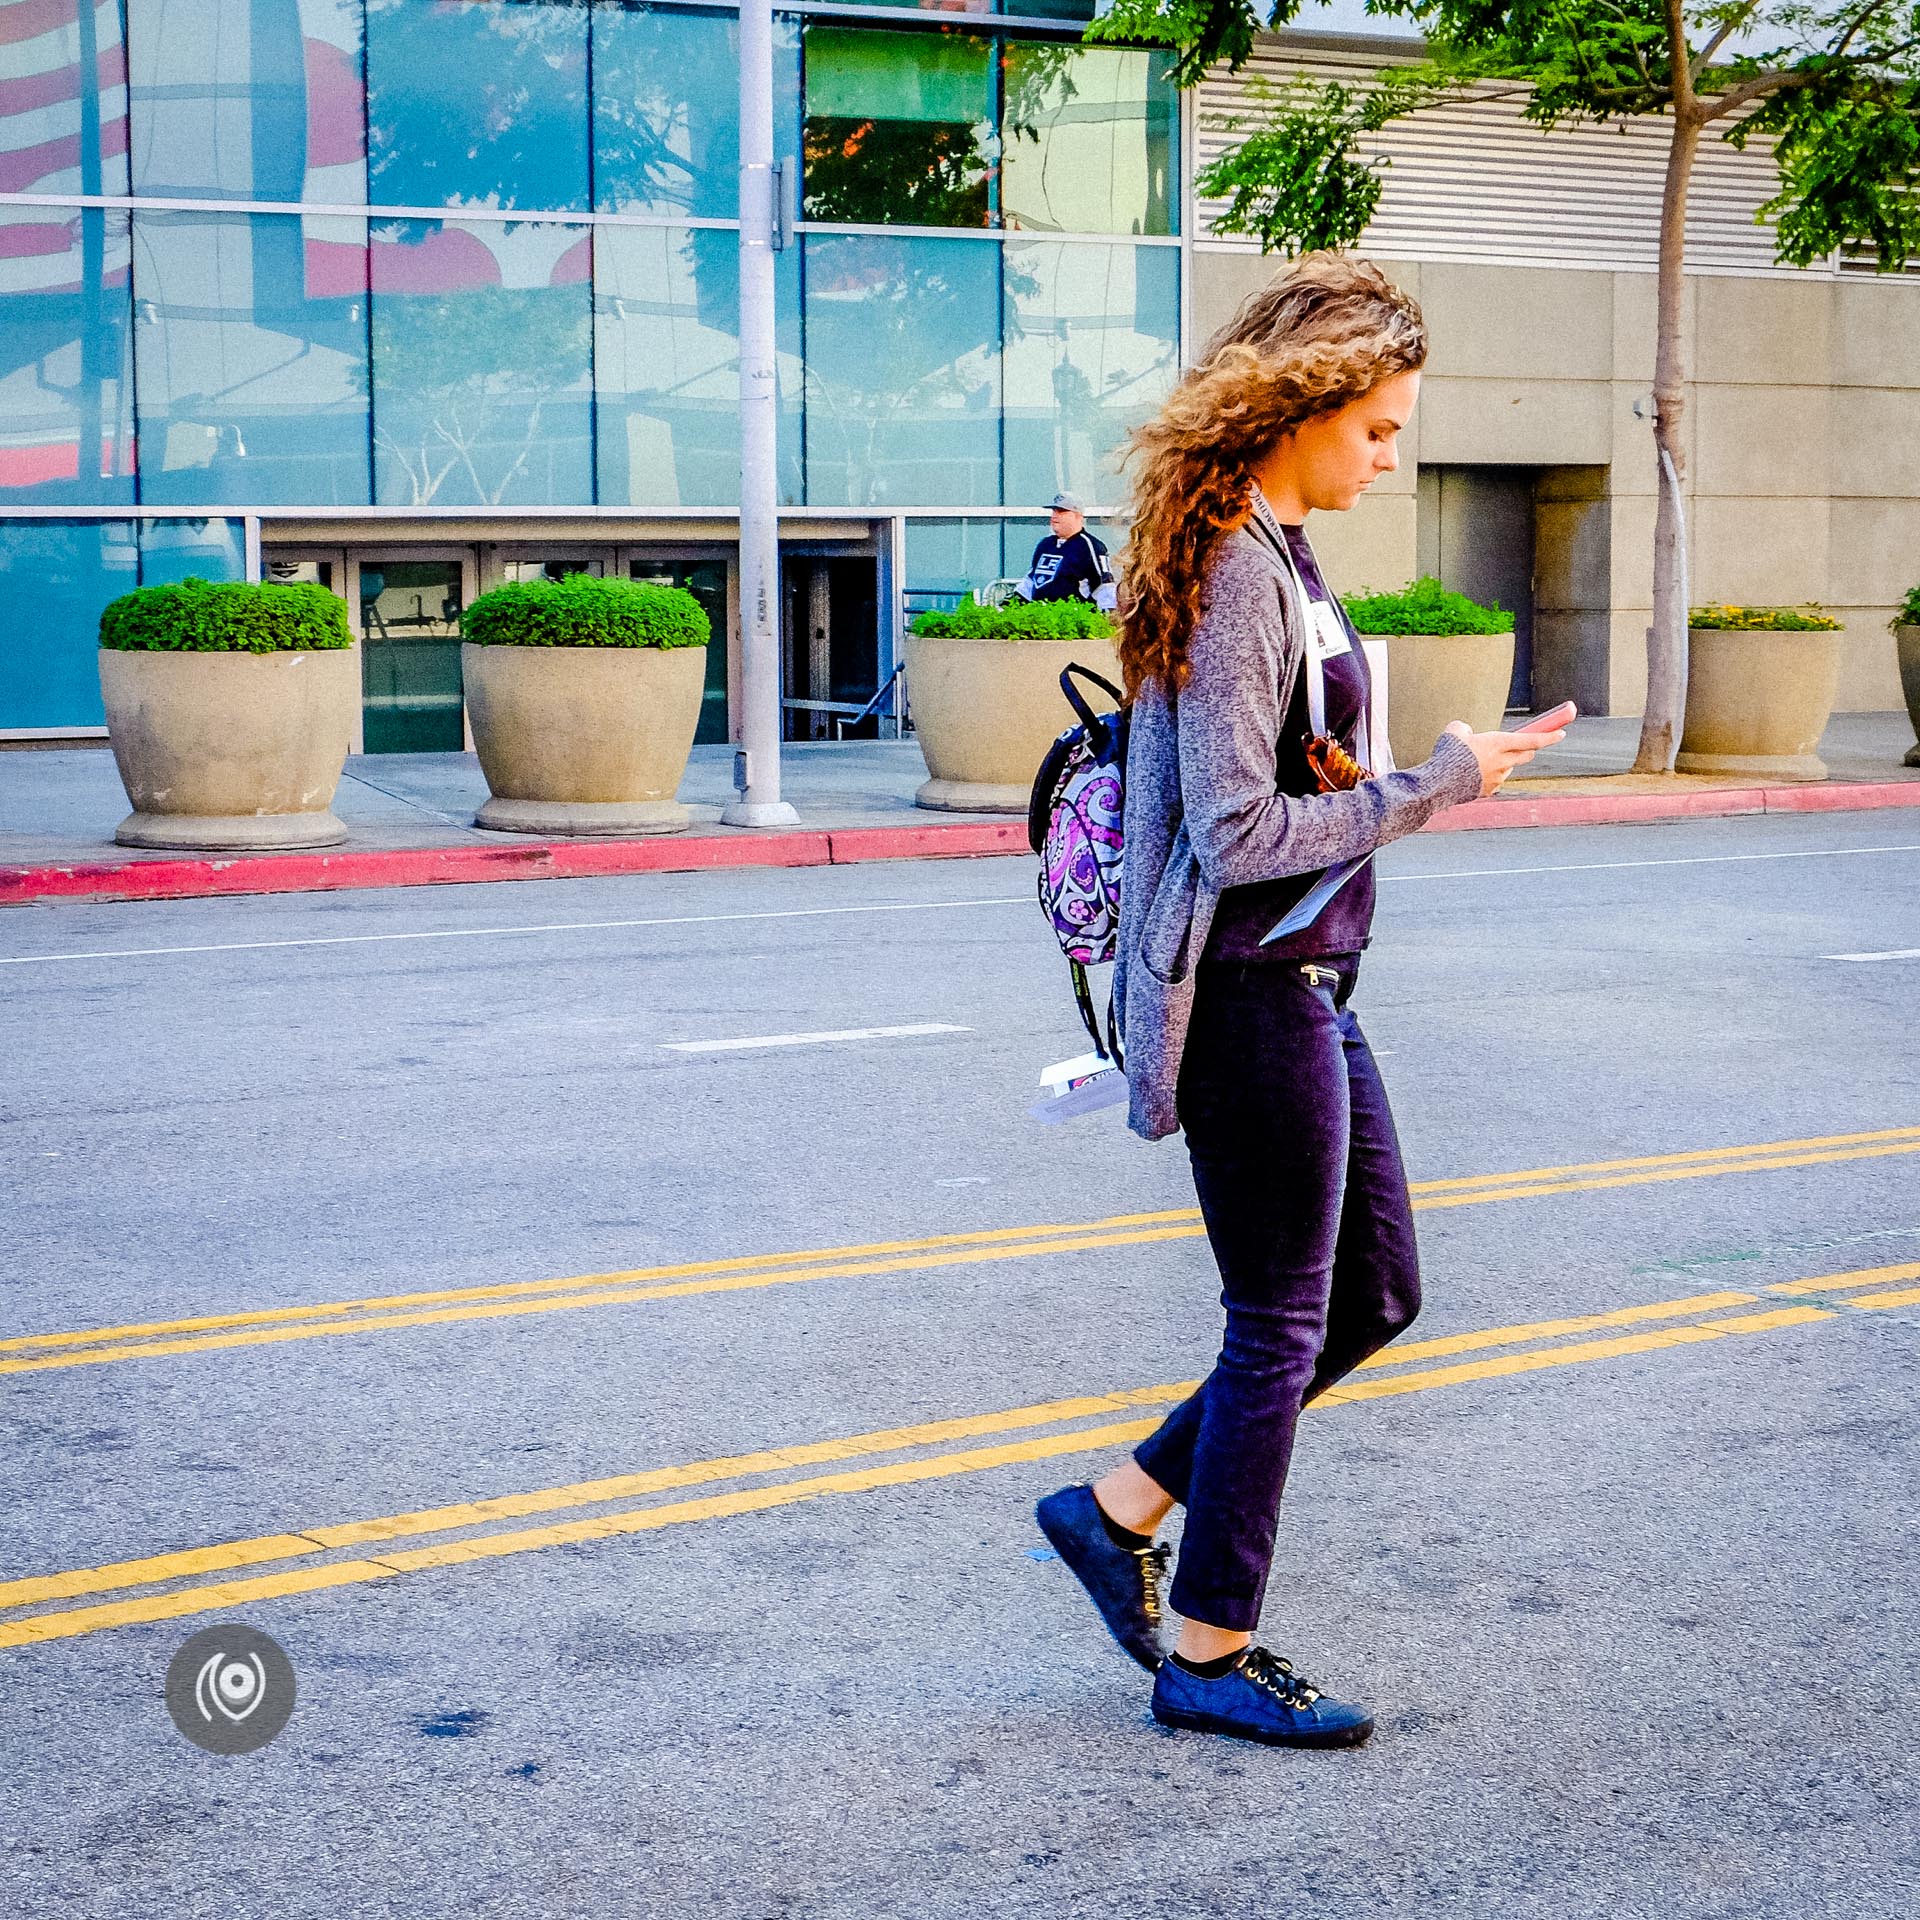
(1245, 812)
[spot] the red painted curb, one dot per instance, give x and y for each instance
(203, 878)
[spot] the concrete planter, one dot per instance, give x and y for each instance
(1436, 677)
(583, 740)
(1907, 639)
(986, 712)
(1757, 703)
(226, 752)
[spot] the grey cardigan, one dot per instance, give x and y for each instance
(1202, 813)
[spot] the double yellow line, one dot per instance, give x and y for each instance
(393, 1313)
(1052, 1428)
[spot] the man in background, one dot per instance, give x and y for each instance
(1070, 564)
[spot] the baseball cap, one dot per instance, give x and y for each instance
(1068, 503)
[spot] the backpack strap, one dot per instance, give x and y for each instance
(1097, 733)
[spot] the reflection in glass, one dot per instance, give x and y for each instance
(903, 371)
(253, 103)
(1092, 335)
(899, 128)
(946, 558)
(410, 680)
(478, 103)
(1088, 141)
(63, 99)
(55, 577)
(553, 567)
(252, 337)
(482, 352)
(203, 549)
(666, 109)
(66, 431)
(667, 366)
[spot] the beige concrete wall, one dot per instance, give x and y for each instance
(1802, 450)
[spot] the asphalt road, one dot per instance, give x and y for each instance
(1618, 1542)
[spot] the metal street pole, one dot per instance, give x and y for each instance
(756, 767)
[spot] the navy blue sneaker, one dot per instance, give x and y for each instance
(1261, 1698)
(1123, 1582)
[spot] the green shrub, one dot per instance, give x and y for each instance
(1807, 619)
(1909, 614)
(225, 616)
(1017, 620)
(1425, 607)
(582, 611)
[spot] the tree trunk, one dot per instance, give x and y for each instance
(1667, 636)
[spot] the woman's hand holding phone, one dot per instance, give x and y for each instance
(1500, 753)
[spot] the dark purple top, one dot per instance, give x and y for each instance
(1246, 914)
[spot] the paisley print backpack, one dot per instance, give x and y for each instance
(1074, 825)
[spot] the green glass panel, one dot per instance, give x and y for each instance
(1088, 140)
(410, 656)
(899, 128)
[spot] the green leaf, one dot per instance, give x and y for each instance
(584, 611)
(227, 616)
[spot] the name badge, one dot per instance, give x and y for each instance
(1329, 637)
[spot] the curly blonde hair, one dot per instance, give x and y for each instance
(1326, 332)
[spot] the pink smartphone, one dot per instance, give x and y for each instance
(1550, 722)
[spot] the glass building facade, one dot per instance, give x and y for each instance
(292, 277)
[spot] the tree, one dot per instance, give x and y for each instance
(1834, 84)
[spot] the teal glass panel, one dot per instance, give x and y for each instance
(55, 577)
(255, 100)
(411, 691)
(899, 128)
(63, 97)
(482, 356)
(251, 337)
(666, 108)
(946, 558)
(66, 392)
(191, 549)
(1092, 348)
(667, 366)
(1087, 140)
(477, 101)
(903, 371)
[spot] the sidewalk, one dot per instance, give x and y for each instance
(409, 816)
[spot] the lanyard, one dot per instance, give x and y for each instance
(1304, 604)
(1315, 900)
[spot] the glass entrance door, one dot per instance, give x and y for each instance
(409, 609)
(706, 580)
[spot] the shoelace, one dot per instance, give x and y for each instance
(1278, 1677)
(1152, 1562)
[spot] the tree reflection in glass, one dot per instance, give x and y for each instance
(899, 128)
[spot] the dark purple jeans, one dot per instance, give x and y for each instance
(1306, 1207)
